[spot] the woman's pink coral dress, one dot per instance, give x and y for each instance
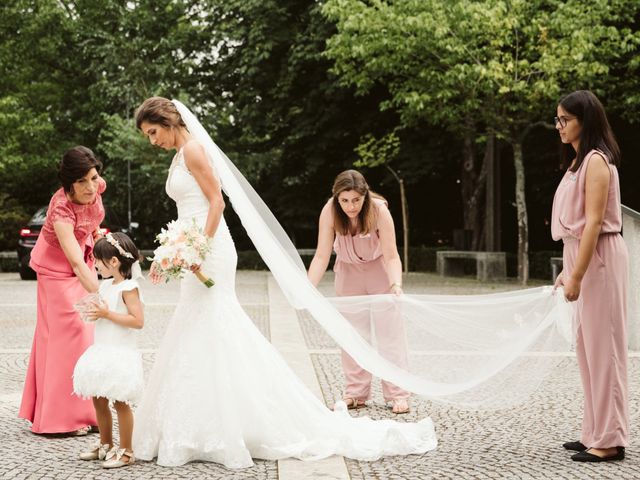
(60, 336)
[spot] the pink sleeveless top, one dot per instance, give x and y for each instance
(568, 213)
(358, 248)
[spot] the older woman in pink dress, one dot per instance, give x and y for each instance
(587, 218)
(63, 262)
(357, 224)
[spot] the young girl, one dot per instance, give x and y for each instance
(110, 371)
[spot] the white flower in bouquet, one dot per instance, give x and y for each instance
(183, 247)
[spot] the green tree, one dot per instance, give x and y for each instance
(69, 70)
(375, 152)
(254, 71)
(491, 66)
(127, 149)
(291, 126)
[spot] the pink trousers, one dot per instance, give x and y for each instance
(370, 279)
(601, 342)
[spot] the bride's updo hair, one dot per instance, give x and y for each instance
(159, 111)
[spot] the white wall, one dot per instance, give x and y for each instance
(631, 233)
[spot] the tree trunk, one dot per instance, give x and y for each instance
(473, 189)
(405, 220)
(405, 226)
(523, 222)
(492, 199)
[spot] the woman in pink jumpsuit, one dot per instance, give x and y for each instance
(63, 262)
(357, 224)
(587, 217)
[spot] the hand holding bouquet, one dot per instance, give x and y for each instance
(183, 246)
(87, 305)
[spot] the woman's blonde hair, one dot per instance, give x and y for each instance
(352, 180)
(159, 111)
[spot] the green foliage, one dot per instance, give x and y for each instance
(12, 217)
(503, 64)
(150, 207)
(69, 70)
(290, 89)
(481, 66)
(373, 152)
(27, 159)
(293, 127)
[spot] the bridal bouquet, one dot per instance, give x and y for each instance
(183, 246)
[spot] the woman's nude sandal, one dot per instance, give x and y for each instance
(354, 404)
(399, 406)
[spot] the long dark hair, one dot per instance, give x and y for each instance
(367, 218)
(596, 132)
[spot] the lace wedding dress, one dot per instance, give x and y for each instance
(220, 392)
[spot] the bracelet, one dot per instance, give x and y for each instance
(399, 285)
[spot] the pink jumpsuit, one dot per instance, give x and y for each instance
(360, 270)
(601, 309)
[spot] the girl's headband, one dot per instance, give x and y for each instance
(112, 240)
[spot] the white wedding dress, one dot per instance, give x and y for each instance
(220, 392)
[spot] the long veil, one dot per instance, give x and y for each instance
(474, 351)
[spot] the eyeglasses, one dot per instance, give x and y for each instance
(562, 121)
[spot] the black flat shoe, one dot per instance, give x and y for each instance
(576, 446)
(590, 457)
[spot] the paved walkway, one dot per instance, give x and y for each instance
(522, 443)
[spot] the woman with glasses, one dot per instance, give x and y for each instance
(587, 217)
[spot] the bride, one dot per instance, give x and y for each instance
(219, 391)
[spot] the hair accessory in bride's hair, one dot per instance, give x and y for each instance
(112, 240)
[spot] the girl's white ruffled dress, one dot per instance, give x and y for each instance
(112, 366)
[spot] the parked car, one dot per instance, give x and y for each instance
(30, 232)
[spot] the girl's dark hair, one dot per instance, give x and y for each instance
(104, 251)
(159, 111)
(367, 218)
(76, 163)
(596, 132)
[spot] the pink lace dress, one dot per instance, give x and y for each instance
(60, 336)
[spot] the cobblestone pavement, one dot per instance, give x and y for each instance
(521, 443)
(24, 455)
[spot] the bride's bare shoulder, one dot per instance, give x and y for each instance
(192, 149)
(194, 155)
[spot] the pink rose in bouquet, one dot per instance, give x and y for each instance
(183, 247)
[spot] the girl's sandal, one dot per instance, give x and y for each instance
(98, 452)
(116, 458)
